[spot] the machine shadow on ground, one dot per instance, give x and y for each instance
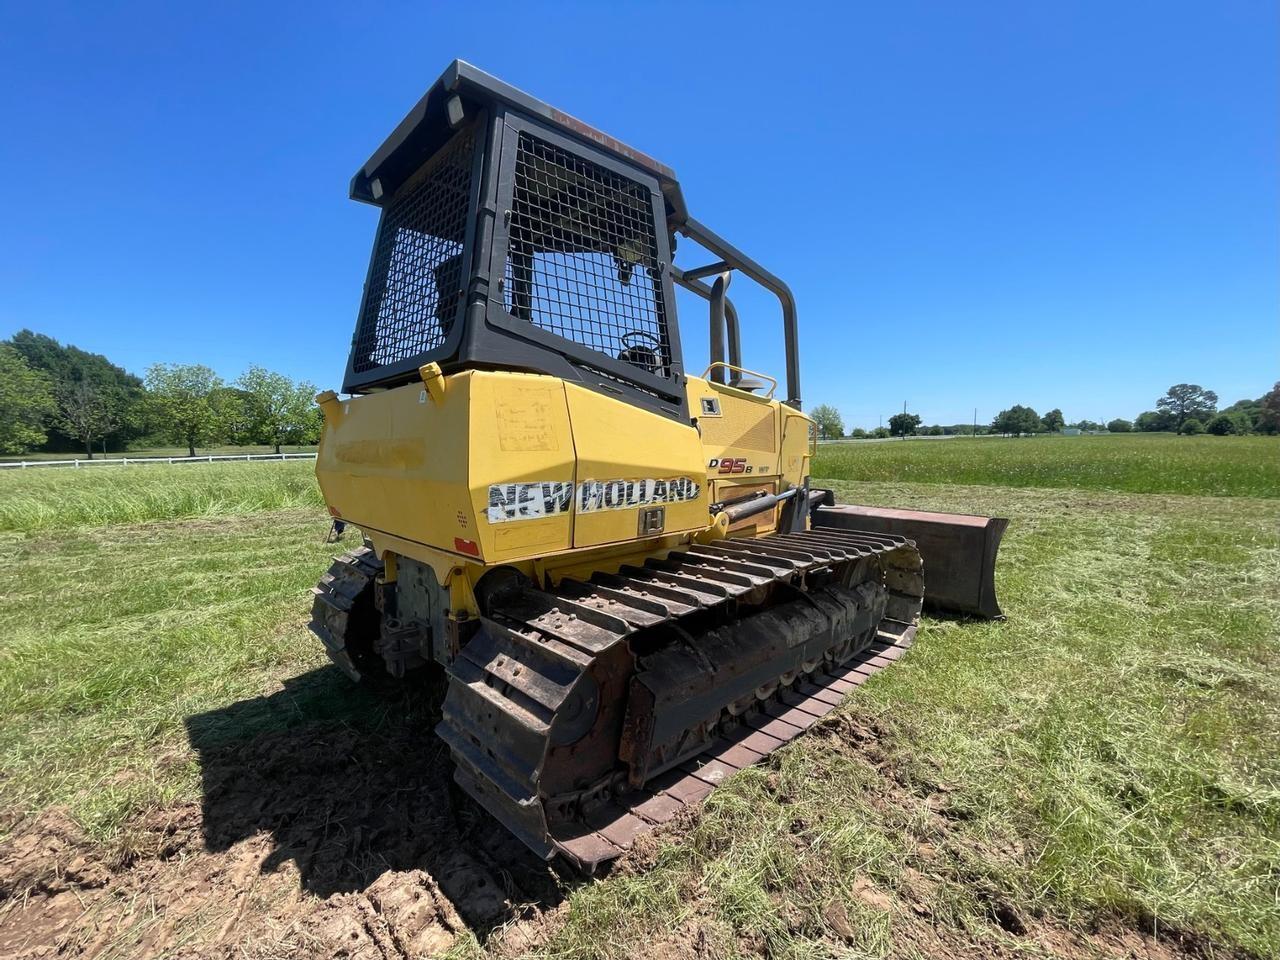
(353, 784)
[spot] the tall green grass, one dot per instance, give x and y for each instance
(59, 497)
(111, 636)
(1133, 463)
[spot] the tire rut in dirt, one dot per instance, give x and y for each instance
(326, 812)
(361, 789)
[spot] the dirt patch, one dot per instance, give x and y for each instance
(329, 825)
(694, 940)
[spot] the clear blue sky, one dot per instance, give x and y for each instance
(1058, 204)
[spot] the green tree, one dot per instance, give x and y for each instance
(1185, 400)
(1191, 426)
(278, 410)
(231, 411)
(1016, 421)
(903, 424)
(1221, 425)
(1153, 421)
(314, 425)
(827, 418)
(1119, 426)
(1053, 421)
(880, 433)
(1246, 414)
(1269, 415)
(116, 395)
(857, 433)
(26, 402)
(88, 412)
(182, 398)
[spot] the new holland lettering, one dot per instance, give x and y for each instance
(551, 498)
(529, 501)
(595, 495)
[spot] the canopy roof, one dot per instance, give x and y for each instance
(428, 125)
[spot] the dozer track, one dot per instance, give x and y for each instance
(584, 715)
(343, 615)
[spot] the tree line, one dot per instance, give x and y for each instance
(1186, 408)
(56, 397)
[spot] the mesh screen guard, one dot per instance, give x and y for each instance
(415, 280)
(582, 257)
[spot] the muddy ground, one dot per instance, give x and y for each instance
(321, 835)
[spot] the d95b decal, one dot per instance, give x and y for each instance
(730, 465)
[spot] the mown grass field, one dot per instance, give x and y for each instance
(1095, 776)
(1130, 462)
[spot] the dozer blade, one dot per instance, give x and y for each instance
(959, 551)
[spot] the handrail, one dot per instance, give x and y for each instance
(710, 270)
(737, 369)
(701, 234)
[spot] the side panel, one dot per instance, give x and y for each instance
(522, 465)
(630, 460)
(484, 473)
(736, 426)
(750, 444)
(395, 461)
(795, 459)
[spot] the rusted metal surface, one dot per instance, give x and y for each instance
(584, 714)
(959, 551)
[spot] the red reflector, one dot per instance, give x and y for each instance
(333, 512)
(466, 546)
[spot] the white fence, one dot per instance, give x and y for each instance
(127, 461)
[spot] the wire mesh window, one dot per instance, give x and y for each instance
(582, 260)
(415, 284)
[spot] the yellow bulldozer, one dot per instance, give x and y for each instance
(624, 569)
